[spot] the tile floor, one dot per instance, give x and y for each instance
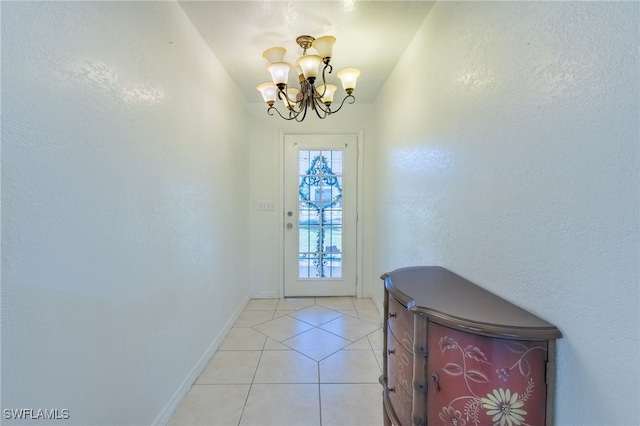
(308, 361)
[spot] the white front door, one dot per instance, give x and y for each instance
(320, 214)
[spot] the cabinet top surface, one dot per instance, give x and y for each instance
(453, 301)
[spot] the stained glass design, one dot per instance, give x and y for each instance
(320, 217)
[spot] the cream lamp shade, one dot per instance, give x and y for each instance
(327, 92)
(349, 77)
(268, 91)
(324, 45)
(275, 54)
(279, 72)
(309, 65)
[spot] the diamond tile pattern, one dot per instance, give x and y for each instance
(304, 361)
(350, 328)
(317, 344)
(283, 328)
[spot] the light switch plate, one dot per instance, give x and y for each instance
(266, 205)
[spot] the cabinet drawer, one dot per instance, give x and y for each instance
(401, 323)
(400, 363)
(401, 402)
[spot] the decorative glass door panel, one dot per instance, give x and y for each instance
(323, 259)
(320, 211)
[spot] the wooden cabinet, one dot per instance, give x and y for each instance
(456, 354)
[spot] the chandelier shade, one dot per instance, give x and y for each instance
(309, 65)
(268, 91)
(349, 78)
(279, 72)
(326, 93)
(309, 68)
(324, 46)
(275, 54)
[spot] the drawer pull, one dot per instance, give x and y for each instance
(393, 315)
(436, 382)
(391, 390)
(391, 351)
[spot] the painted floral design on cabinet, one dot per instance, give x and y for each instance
(485, 381)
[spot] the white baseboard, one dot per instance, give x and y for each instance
(166, 413)
(265, 295)
(379, 305)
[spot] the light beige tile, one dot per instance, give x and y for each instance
(279, 314)
(350, 367)
(342, 303)
(251, 318)
(351, 404)
(350, 328)
(294, 304)
(215, 405)
(348, 312)
(230, 367)
(282, 405)
(283, 328)
(315, 315)
(273, 345)
(379, 358)
(377, 340)
(243, 339)
(286, 367)
(317, 344)
(261, 305)
(362, 344)
(373, 317)
(364, 304)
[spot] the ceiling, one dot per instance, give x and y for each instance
(371, 36)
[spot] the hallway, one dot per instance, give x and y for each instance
(142, 200)
(310, 361)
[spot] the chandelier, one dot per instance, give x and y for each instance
(299, 101)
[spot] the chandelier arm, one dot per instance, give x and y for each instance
(327, 65)
(318, 109)
(293, 114)
(286, 97)
(272, 108)
(351, 98)
(324, 80)
(304, 113)
(322, 107)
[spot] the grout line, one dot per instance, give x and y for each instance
(319, 396)
(244, 406)
(319, 382)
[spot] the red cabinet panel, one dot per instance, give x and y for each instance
(478, 380)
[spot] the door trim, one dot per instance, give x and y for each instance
(359, 200)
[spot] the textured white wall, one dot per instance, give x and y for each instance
(265, 185)
(124, 207)
(507, 150)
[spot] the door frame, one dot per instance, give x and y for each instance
(359, 200)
